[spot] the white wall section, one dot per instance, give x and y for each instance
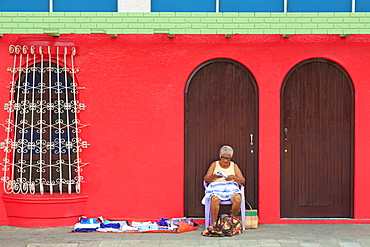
(134, 6)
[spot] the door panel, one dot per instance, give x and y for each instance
(221, 108)
(317, 141)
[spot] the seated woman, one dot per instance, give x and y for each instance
(224, 178)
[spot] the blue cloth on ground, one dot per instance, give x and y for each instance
(110, 225)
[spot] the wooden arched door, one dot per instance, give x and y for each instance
(220, 108)
(317, 113)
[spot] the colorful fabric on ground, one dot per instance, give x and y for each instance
(87, 223)
(223, 190)
(164, 225)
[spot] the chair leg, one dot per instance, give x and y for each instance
(242, 213)
(207, 213)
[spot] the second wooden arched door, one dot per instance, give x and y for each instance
(317, 112)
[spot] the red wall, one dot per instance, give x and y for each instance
(135, 107)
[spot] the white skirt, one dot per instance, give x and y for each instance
(223, 190)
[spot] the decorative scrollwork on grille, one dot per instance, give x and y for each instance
(42, 147)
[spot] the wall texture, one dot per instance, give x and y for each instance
(134, 94)
(115, 23)
(135, 103)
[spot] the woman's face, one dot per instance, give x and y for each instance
(225, 159)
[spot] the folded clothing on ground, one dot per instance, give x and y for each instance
(175, 225)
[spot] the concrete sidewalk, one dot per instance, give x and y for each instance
(329, 235)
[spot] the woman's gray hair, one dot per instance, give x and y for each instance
(227, 150)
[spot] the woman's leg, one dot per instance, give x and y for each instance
(215, 207)
(236, 199)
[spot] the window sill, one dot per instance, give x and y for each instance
(45, 210)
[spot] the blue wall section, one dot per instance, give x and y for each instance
(85, 5)
(362, 6)
(320, 5)
(24, 5)
(183, 5)
(188, 5)
(251, 6)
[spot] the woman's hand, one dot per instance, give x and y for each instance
(236, 179)
(211, 178)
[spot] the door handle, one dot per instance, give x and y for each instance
(251, 143)
(286, 134)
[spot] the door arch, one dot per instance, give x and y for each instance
(317, 116)
(221, 107)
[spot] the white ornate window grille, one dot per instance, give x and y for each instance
(42, 147)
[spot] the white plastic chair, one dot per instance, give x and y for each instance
(207, 207)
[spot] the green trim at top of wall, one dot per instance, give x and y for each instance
(228, 23)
